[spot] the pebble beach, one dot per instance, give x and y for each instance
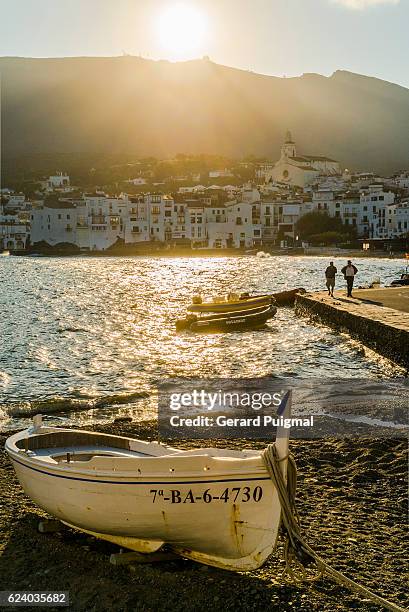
(352, 499)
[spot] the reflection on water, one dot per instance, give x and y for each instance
(77, 331)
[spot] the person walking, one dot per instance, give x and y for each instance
(349, 272)
(330, 273)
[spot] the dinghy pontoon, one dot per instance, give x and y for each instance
(230, 303)
(239, 320)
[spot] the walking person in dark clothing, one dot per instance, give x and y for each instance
(349, 272)
(330, 276)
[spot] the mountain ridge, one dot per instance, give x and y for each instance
(338, 72)
(155, 107)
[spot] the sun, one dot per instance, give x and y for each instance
(181, 31)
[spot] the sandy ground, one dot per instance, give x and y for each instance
(397, 297)
(352, 498)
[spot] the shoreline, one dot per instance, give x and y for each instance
(203, 253)
(351, 496)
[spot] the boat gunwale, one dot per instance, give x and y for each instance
(84, 470)
(140, 479)
(32, 433)
(220, 307)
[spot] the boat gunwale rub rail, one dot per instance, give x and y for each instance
(141, 482)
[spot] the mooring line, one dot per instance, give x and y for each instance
(296, 548)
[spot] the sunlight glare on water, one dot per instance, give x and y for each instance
(75, 331)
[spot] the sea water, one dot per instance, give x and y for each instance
(88, 338)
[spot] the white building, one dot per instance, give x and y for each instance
(135, 220)
(301, 170)
(289, 212)
(250, 194)
(227, 225)
(268, 220)
(205, 219)
(197, 231)
(91, 223)
(192, 189)
(217, 227)
(245, 229)
(161, 214)
(324, 200)
(54, 223)
(220, 173)
(264, 169)
(14, 232)
(398, 220)
(362, 180)
(100, 222)
(402, 180)
(372, 219)
(331, 183)
(16, 201)
(57, 181)
(137, 181)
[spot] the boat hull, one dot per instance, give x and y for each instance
(228, 521)
(215, 506)
(241, 321)
(228, 322)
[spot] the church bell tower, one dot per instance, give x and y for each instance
(288, 148)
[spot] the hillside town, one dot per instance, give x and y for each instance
(264, 211)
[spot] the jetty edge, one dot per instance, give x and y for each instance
(366, 317)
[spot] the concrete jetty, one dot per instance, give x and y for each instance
(379, 318)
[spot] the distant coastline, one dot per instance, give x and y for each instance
(198, 253)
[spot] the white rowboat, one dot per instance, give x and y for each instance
(215, 506)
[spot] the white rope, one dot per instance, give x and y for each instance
(296, 548)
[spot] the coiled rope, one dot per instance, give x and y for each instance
(296, 548)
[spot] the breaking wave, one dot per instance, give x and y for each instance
(55, 405)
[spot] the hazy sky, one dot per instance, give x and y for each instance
(270, 36)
